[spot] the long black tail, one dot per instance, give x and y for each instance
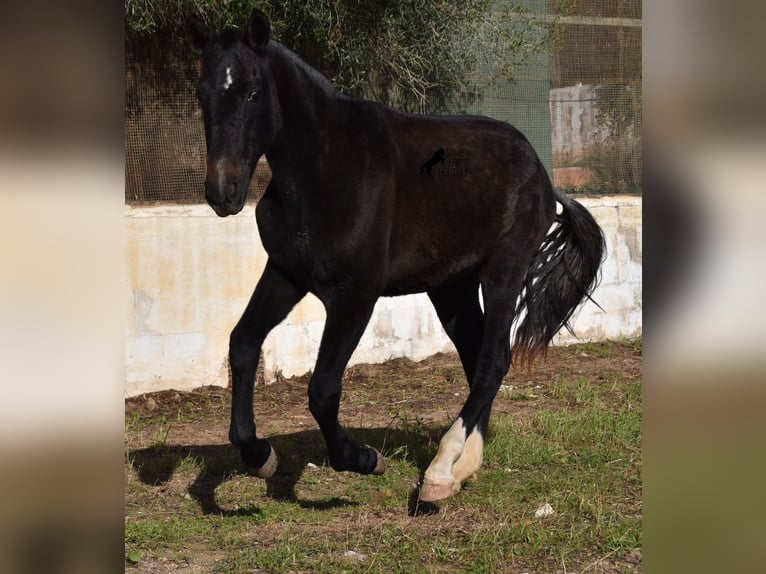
(564, 272)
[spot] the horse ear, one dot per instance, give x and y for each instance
(258, 30)
(198, 33)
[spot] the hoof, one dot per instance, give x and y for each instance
(431, 491)
(380, 467)
(269, 467)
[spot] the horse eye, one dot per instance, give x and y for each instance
(253, 96)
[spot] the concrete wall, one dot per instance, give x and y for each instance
(190, 275)
(574, 129)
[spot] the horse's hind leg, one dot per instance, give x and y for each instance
(347, 318)
(461, 316)
(460, 450)
(274, 297)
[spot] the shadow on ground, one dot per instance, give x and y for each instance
(220, 462)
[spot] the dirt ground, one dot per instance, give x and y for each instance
(432, 390)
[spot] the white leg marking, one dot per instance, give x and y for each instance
(450, 449)
(229, 80)
(458, 458)
(470, 461)
(438, 481)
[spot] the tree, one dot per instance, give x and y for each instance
(407, 53)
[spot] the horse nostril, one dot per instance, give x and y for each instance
(231, 192)
(212, 193)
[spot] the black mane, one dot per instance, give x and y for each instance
(319, 79)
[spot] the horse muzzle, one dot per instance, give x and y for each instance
(225, 189)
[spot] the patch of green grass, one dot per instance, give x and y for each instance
(583, 460)
(136, 423)
(576, 392)
(600, 349)
(167, 531)
(161, 432)
(190, 464)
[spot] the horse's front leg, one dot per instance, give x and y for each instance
(273, 298)
(346, 321)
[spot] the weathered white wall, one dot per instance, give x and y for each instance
(574, 129)
(620, 290)
(191, 274)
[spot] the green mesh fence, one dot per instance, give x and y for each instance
(579, 103)
(596, 98)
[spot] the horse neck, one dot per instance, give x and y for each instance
(304, 109)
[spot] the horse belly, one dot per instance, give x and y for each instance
(421, 265)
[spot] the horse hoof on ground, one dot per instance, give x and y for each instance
(269, 467)
(432, 491)
(380, 467)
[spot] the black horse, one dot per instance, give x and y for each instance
(347, 217)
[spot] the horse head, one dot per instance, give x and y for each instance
(239, 104)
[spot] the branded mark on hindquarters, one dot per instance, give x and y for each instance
(428, 166)
(447, 162)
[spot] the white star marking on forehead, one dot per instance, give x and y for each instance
(229, 80)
